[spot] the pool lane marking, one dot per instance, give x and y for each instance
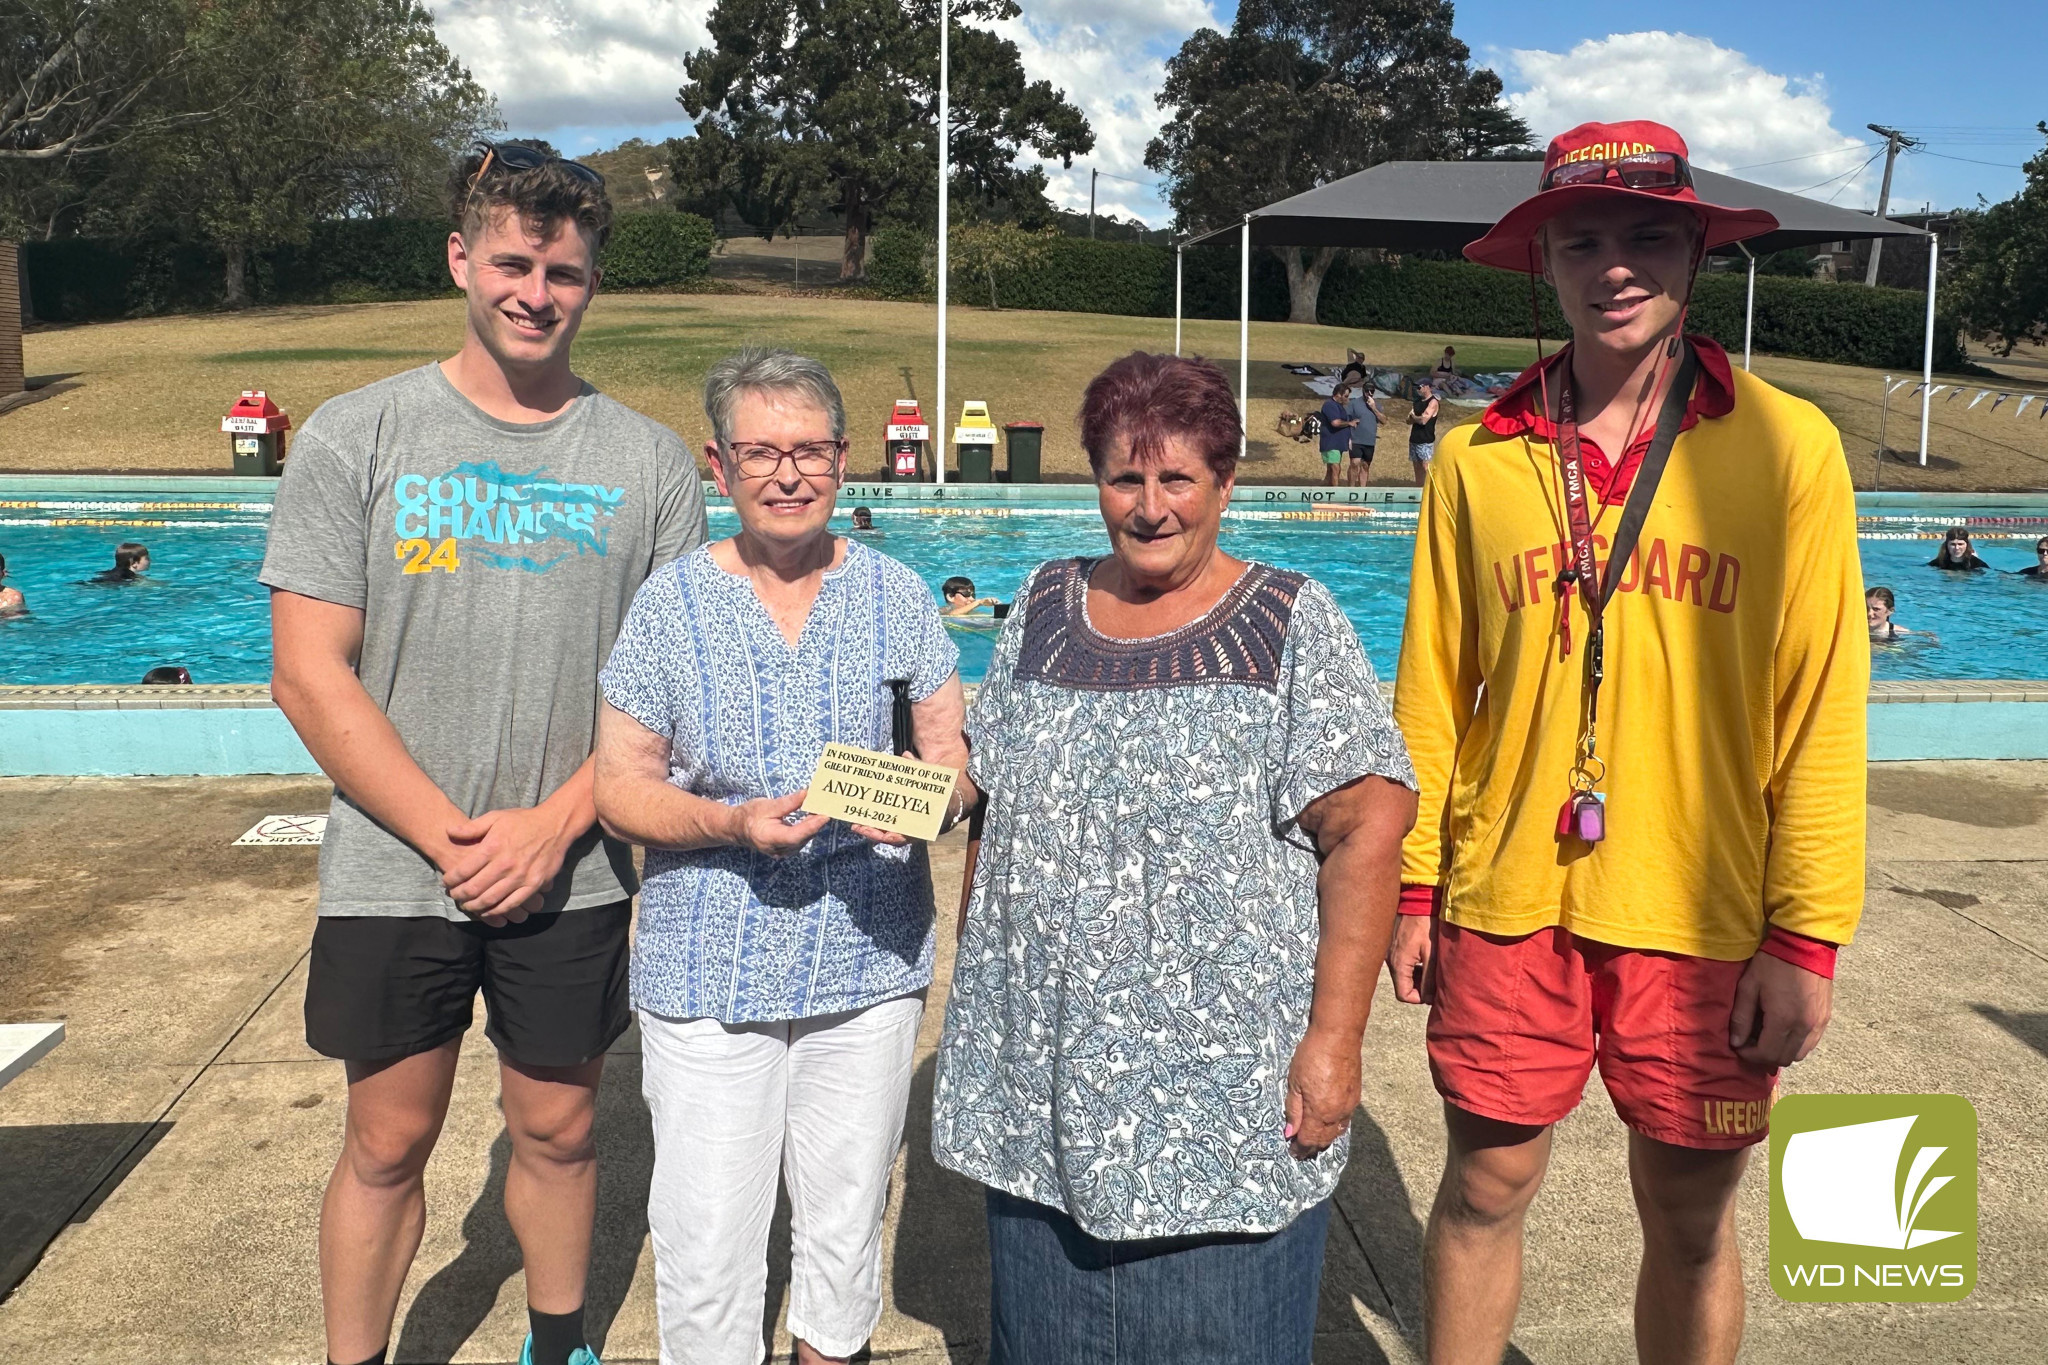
(118, 521)
(61, 504)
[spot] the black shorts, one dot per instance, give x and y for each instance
(380, 988)
(1361, 453)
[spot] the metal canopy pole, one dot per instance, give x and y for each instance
(1749, 311)
(1244, 334)
(938, 421)
(1927, 354)
(1178, 248)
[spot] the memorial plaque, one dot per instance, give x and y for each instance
(883, 791)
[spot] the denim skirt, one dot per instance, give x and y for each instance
(1060, 1297)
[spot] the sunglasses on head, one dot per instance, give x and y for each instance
(518, 156)
(1642, 171)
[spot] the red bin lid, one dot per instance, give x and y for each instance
(1023, 426)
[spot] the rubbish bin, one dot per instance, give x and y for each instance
(977, 461)
(257, 428)
(1024, 440)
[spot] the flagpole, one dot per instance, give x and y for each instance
(1244, 334)
(1927, 355)
(940, 425)
(1176, 298)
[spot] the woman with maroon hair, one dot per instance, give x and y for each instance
(1181, 883)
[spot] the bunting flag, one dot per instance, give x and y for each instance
(1955, 391)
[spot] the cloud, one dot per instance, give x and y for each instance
(1109, 56)
(560, 65)
(1735, 116)
(590, 73)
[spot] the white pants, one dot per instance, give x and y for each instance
(821, 1098)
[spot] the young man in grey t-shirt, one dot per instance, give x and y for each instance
(451, 554)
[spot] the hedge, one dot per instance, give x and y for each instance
(647, 250)
(1813, 319)
(352, 260)
(900, 262)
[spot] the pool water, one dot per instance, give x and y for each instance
(201, 606)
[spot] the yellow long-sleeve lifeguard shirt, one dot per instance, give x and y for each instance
(1731, 720)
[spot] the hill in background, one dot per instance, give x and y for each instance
(635, 172)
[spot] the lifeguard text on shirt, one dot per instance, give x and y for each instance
(882, 791)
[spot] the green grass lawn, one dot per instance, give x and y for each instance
(148, 394)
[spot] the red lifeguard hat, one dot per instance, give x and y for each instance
(1635, 160)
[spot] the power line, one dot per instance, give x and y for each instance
(1845, 175)
(1974, 161)
(1832, 151)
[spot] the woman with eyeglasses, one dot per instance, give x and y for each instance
(1957, 554)
(781, 960)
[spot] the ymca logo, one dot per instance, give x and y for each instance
(1873, 1198)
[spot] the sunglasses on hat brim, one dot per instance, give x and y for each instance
(1642, 171)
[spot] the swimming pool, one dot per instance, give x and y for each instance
(202, 607)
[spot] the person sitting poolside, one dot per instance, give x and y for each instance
(131, 561)
(12, 603)
(1446, 364)
(2038, 570)
(1880, 603)
(960, 598)
(863, 519)
(1957, 554)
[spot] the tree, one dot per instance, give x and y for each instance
(840, 97)
(77, 79)
(72, 72)
(768, 180)
(328, 108)
(985, 248)
(1298, 94)
(2000, 286)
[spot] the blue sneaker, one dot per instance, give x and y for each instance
(582, 1355)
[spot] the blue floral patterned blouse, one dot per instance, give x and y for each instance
(728, 933)
(1141, 938)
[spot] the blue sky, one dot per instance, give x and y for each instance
(1767, 91)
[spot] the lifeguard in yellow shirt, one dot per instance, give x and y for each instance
(1633, 682)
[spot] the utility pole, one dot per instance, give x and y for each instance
(1894, 139)
(1092, 173)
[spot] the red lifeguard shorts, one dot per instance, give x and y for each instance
(1518, 1024)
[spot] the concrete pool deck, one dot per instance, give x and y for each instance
(166, 1163)
(220, 730)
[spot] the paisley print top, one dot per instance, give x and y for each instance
(1141, 936)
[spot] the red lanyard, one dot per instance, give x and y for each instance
(1582, 815)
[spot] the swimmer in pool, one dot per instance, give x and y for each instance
(131, 561)
(12, 603)
(863, 519)
(1879, 604)
(2038, 571)
(1957, 555)
(960, 598)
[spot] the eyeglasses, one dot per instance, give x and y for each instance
(812, 458)
(1642, 171)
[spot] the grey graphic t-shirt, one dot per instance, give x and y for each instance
(494, 562)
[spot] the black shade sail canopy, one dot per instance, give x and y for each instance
(1442, 205)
